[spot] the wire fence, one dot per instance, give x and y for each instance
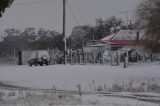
(8, 60)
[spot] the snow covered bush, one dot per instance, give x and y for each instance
(153, 88)
(117, 88)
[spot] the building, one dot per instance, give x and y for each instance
(112, 49)
(128, 43)
(124, 38)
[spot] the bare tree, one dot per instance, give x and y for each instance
(108, 26)
(149, 19)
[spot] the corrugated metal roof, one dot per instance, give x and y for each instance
(124, 37)
(108, 37)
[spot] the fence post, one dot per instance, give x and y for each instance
(111, 59)
(125, 62)
(20, 58)
(118, 58)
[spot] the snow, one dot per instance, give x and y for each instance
(124, 35)
(114, 101)
(88, 76)
(108, 37)
(32, 98)
(67, 77)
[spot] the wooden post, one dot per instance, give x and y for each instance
(14, 52)
(71, 58)
(80, 59)
(127, 56)
(125, 62)
(76, 58)
(111, 60)
(20, 58)
(118, 58)
(85, 58)
(64, 23)
(93, 58)
(137, 56)
(102, 58)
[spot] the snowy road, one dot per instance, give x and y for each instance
(69, 76)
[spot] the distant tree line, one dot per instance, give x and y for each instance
(30, 39)
(41, 39)
(148, 19)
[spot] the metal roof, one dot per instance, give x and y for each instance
(124, 37)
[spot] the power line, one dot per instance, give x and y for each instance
(72, 13)
(126, 15)
(33, 2)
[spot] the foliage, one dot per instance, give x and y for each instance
(148, 19)
(41, 39)
(103, 28)
(109, 26)
(4, 4)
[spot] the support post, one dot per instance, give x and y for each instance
(64, 24)
(76, 58)
(93, 58)
(127, 56)
(20, 58)
(85, 58)
(14, 52)
(118, 58)
(111, 59)
(71, 58)
(80, 59)
(102, 59)
(125, 62)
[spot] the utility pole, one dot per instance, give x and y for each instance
(93, 39)
(64, 25)
(14, 52)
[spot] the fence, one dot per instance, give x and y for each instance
(9, 60)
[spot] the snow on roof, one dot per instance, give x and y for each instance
(108, 37)
(123, 35)
(98, 45)
(127, 35)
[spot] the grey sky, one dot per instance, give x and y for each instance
(48, 15)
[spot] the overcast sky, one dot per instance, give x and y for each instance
(48, 15)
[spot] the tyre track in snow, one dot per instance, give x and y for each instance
(136, 96)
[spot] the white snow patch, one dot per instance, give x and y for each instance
(69, 76)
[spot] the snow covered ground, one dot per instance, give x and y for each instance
(140, 78)
(88, 76)
(32, 98)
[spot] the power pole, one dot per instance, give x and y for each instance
(93, 39)
(14, 52)
(64, 25)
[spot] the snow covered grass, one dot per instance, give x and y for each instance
(140, 77)
(32, 98)
(80, 78)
